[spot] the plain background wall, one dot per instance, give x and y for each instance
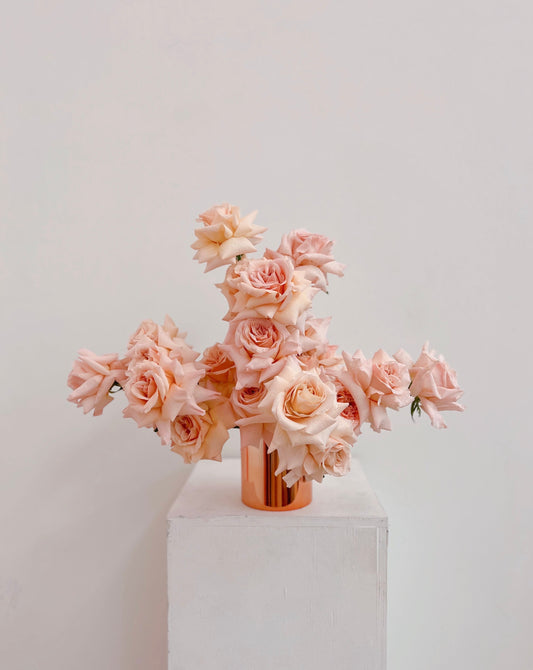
(400, 129)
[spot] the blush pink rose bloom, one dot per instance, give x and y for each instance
(330, 458)
(259, 348)
(225, 235)
(351, 410)
(312, 254)
(197, 437)
(382, 380)
(150, 338)
(321, 359)
(246, 401)
(338, 457)
(160, 389)
(317, 352)
(434, 382)
(266, 288)
(304, 411)
(220, 372)
(92, 377)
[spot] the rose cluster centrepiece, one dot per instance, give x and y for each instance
(275, 375)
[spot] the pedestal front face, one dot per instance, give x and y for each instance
(260, 590)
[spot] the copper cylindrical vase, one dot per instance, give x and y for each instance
(263, 489)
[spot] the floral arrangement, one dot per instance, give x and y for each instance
(275, 376)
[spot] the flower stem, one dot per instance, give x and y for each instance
(415, 407)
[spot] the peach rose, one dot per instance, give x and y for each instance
(250, 418)
(337, 459)
(159, 390)
(332, 457)
(199, 437)
(304, 410)
(266, 288)
(259, 347)
(91, 379)
(150, 337)
(317, 352)
(382, 380)
(245, 401)
(225, 235)
(320, 359)
(434, 383)
(315, 334)
(350, 411)
(220, 373)
(311, 253)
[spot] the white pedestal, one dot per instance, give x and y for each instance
(253, 590)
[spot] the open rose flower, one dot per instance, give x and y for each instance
(199, 437)
(245, 400)
(150, 337)
(317, 352)
(351, 410)
(330, 458)
(311, 253)
(259, 348)
(382, 380)
(338, 458)
(304, 410)
(91, 379)
(266, 288)
(225, 235)
(159, 390)
(434, 383)
(220, 373)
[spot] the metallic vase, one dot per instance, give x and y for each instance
(263, 489)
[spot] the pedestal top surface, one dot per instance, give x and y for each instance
(212, 494)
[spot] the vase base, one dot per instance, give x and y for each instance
(264, 490)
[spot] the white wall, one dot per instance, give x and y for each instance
(402, 130)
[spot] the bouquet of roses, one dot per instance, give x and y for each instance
(275, 375)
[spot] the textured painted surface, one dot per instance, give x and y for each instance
(287, 590)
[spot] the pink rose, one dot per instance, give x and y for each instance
(330, 458)
(351, 411)
(259, 347)
(434, 383)
(159, 390)
(382, 380)
(315, 333)
(266, 288)
(220, 373)
(225, 235)
(199, 437)
(250, 417)
(92, 377)
(150, 337)
(337, 458)
(245, 401)
(304, 411)
(311, 253)
(317, 352)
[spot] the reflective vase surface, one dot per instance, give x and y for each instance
(263, 489)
